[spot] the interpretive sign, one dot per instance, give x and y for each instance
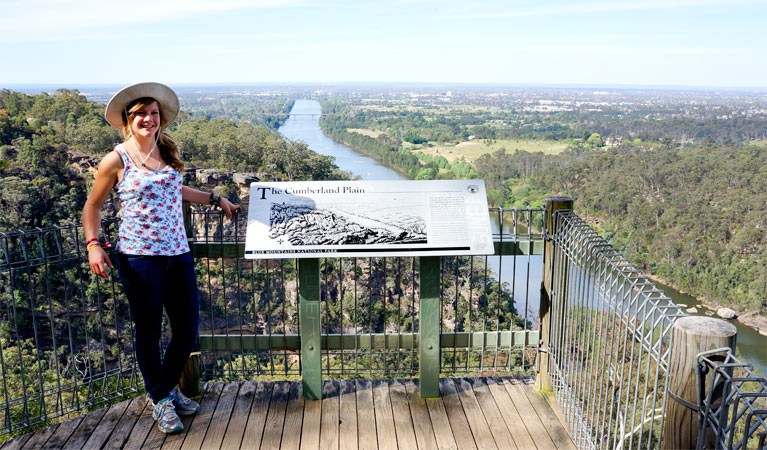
(367, 218)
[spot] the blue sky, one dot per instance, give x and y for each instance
(610, 42)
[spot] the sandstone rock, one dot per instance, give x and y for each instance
(692, 310)
(245, 177)
(725, 313)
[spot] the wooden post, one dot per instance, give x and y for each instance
(309, 316)
(553, 204)
(691, 335)
(190, 377)
(429, 327)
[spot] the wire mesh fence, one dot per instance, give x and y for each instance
(609, 349)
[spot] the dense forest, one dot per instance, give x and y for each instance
(49, 143)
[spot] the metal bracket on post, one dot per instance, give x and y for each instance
(309, 315)
(429, 327)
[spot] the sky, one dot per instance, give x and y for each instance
(706, 43)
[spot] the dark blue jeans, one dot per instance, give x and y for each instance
(151, 283)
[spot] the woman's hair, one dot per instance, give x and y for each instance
(168, 148)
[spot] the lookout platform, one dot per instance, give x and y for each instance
(473, 413)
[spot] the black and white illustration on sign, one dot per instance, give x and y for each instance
(367, 218)
(305, 225)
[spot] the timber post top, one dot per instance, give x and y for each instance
(559, 199)
(706, 326)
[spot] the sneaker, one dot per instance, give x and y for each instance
(185, 406)
(165, 415)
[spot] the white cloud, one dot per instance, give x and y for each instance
(48, 20)
(586, 8)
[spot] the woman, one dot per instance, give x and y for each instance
(154, 262)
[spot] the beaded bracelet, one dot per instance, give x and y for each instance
(214, 199)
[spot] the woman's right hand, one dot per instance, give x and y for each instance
(99, 261)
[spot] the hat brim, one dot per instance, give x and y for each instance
(164, 95)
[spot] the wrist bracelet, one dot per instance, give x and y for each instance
(88, 242)
(92, 246)
(214, 199)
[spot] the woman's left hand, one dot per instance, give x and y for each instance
(229, 208)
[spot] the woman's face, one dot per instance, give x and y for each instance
(146, 120)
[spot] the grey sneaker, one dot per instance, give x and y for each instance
(165, 415)
(185, 406)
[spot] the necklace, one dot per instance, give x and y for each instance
(143, 161)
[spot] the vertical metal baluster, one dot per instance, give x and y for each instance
(284, 300)
(469, 312)
(356, 325)
(239, 291)
(340, 276)
(7, 420)
(47, 281)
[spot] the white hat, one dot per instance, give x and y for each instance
(164, 95)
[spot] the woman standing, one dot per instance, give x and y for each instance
(155, 265)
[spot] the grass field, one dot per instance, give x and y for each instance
(368, 133)
(472, 150)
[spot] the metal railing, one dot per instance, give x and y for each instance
(66, 336)
(369, 306)
(609, 347)
(732, 402)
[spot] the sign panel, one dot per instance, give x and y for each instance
(313, 219)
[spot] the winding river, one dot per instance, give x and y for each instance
(303, 125)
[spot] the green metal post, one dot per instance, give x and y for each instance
(309, 315)
(428, 339)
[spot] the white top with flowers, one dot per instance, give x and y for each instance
(152, 217)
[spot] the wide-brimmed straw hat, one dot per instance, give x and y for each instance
(164, 95)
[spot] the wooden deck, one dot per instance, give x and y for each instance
(473, 413)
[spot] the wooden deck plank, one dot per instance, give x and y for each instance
(551, 399)
(551, 423)
(63, 433)
(194, 433)
(493, 415)
(330, 415)
(239, 418)
(347, 415)
(366, 419)
(387, 437)
(422, 426)
(220, 418)
(123, 429)
(458, 422)
(310, 433)
(294, 418)
(532, 421)
(106, 426)
(403, 421)
(483, 437)
(18, 442)
(440, 422)
(40, 437)
(275, 418)
(84, 430)
(254, 430)
(511, 417)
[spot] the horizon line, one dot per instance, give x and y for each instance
(617, 86)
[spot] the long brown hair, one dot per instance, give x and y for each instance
(168, 148)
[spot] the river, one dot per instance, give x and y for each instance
(303, 125)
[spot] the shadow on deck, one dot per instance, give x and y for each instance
(473, 413)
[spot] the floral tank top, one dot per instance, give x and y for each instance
(152, 218)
